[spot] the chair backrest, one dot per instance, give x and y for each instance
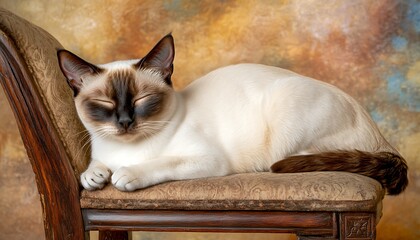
(38, 50)
(46, 118)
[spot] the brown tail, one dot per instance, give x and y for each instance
(388, 168)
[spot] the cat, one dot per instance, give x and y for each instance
(236, 119)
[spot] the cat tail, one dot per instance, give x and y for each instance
(388, 168)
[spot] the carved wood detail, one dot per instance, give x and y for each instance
(357, 226)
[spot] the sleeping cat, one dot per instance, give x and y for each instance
(235, 119)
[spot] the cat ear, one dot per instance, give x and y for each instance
(74, 68)
(161, 58)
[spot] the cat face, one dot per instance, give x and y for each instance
(124, 100)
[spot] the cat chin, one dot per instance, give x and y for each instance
(125, 138)
(128, 137)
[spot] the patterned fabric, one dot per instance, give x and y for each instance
(39, 50)
(318, 191)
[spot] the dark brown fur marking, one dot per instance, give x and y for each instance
(388, 168)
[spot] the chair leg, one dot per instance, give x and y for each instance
(114, 235)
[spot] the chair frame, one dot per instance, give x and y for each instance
(60, 192)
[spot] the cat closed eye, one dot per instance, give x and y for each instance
(141, 99)
(105, 103)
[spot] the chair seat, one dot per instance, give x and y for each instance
(316, 191)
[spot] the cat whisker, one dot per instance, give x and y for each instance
(146, 130)
(84, 131)
(158, 121)
(85, 138)
(99, 132)
(158, 125)
(152, 129)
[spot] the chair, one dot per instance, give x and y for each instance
(320, 205)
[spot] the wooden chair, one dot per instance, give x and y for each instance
(323, 205)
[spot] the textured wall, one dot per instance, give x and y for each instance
(369, 48)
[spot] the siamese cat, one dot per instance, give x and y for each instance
(236, 119)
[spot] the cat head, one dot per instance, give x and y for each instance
(123, 100)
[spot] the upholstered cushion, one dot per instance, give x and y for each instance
(317, 191)
(39, 50)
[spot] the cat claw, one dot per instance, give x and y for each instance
(95, 178)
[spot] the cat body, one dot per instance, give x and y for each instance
(236, 119)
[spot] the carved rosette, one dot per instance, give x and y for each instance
(357, 226)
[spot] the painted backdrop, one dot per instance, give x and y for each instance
(368, 48)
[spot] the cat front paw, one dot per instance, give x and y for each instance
(128, 179)
(95, 177)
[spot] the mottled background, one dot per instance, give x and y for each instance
(369, 48)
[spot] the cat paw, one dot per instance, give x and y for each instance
(95, 178)
(127, 179)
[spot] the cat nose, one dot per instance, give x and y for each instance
(125, 121)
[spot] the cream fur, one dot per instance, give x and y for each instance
(240, 118)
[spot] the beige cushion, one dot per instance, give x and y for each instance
(39, 50)
(317, 191)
